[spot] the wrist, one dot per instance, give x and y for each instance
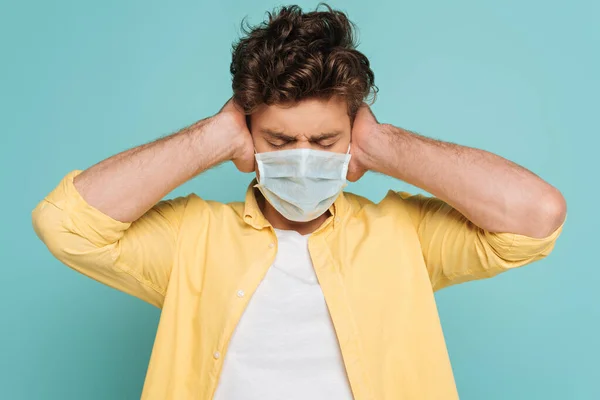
(232, 139)
(381, 149)
(211, 139)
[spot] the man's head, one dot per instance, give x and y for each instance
(300, 79)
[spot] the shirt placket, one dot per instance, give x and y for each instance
(341, 314)
(240, 298)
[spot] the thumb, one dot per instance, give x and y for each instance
(355, 171)
(246, 162)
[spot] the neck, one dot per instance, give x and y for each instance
(278, 221)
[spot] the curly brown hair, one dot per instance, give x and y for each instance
(295, 55)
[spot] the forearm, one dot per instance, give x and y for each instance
(128, 184)
(492, 192)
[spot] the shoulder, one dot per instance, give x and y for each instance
(393, 202)
(196, 205)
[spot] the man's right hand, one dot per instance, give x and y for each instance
(231, 121)
(140, 177)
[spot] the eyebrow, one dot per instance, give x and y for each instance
(280, 135)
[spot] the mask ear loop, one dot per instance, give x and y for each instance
(345, 169)
(259, 167)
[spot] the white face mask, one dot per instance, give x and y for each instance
(301, 184)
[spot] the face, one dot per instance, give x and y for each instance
(312, 123)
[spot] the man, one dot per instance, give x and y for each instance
(301, 291)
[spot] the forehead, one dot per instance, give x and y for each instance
(307, 117)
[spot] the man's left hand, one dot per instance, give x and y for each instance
(364, 130)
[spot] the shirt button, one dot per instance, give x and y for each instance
(216, 355)
(240, 293)
(271, 245)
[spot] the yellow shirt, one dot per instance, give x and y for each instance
(378, 266)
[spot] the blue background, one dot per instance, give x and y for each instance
(80, 81)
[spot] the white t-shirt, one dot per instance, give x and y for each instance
(285, 347)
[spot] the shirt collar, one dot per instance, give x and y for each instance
(253, 215)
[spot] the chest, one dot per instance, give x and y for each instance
(367, 275)
(371, 281)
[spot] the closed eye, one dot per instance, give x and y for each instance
(278, 146)
(326, 144)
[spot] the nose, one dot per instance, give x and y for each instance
(303, 142)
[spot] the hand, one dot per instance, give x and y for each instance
(233, 121)
(363, 132)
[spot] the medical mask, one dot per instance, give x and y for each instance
(301, 184)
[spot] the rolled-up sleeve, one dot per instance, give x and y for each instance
(133, 257)
(455, 250)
